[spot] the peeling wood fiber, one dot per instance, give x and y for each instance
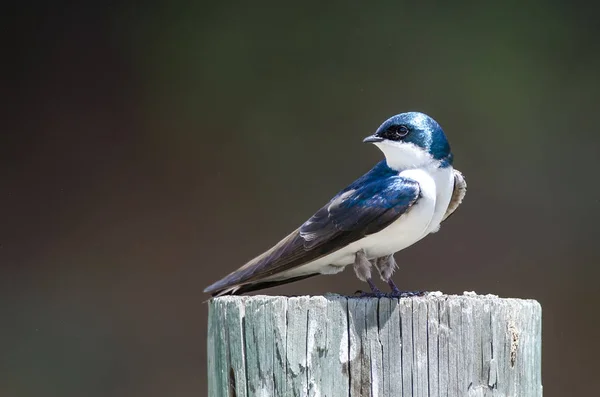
(334, 346)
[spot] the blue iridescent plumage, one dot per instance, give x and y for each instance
(368, 205)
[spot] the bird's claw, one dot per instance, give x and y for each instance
(396, 293)
(372, 294)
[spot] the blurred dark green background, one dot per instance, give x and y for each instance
(149, 150)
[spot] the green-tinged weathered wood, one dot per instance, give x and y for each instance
(334, 346)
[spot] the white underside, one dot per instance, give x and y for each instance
(424, 217)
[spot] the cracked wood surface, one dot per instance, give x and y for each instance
(432, 346)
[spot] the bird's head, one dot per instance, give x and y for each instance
(411, 140)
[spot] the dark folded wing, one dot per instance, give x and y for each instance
(348, 217)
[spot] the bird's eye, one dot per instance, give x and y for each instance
(397, 132)
(403, 131)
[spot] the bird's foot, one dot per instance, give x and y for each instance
(405, 294)
(375, 292)
(396, 293)
(372, 294)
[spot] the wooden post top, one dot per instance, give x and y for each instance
(332, 345)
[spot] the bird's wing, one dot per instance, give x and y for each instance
(351, 215)
(458, 194)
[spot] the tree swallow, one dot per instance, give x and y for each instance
(397, 203)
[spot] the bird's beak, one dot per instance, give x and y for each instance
(372, 139)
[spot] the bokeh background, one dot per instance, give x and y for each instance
(148, 150)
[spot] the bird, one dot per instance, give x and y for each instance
(401, 200)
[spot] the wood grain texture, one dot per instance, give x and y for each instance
(334, 346)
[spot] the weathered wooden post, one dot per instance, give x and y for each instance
(436, 345)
